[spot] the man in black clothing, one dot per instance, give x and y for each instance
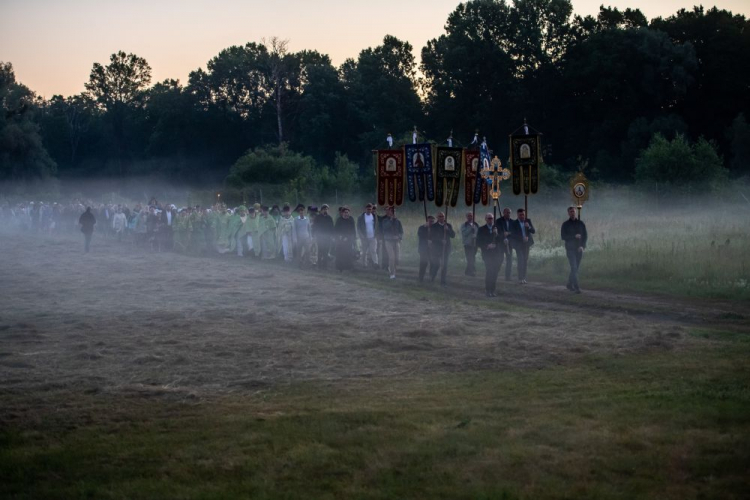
(573, 233)
(521, 235)
(87, 222)
(503, 230)
(442, 233)
(424, 247)
(323, 235)
(492, 254)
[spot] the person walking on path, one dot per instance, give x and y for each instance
(573, 233)
(87, 222)
(393, 233)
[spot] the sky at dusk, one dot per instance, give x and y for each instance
(52, 44)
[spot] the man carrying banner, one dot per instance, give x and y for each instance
(573, 233)
(393, 233)
(442, 233)
(522, 237)
(424, 247)
(504, 224)
(469, 239)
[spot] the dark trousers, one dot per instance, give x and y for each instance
(324, 251)
(440, 262)
(471, 259)
(522, 259)
(425, 259)
(574, 259)
(382, 254)
(491, 270)
(87, 241)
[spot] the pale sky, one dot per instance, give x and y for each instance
(52, 44)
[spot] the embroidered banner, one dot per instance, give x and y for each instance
(390, 170)
(448, 172)
(525, 156)
(472, 173)
(419, 171)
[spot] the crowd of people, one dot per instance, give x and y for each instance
(306, 236)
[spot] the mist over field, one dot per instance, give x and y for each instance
(181, 350)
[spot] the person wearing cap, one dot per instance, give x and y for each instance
(302, 236)
(323, 231)
(284, 234)
(346, 241)
(267, 234)
(424, 246)
(393, 233)
(367, 227)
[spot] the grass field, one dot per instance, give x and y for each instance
(658, 425)
(131, 374)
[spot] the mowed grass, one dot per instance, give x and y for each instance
(660, 425)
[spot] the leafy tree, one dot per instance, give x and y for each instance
(679, 164)
(22, 153)
(122, 82)
(719, 90)
(613, 78)
(383, 85)
(234, 81)
(470, 73)
(269, 165)
(119, 88)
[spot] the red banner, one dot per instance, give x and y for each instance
(390, 170)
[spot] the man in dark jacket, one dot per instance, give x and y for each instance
(424, 247)
(573, 233)
(492, 254)
(323, 235)
(521, 235)
(87, 222)
(442, 233)
(503, 230)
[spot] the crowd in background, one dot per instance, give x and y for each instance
(306, 236)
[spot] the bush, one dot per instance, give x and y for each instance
(681, 165)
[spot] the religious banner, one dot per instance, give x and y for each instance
(390, 170)
(484, 163)
(448, 175)
(419, 171)
(525, 157)
(472, 178)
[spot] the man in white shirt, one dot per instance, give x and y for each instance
(367, 225)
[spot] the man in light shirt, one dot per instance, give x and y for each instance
(367, 224)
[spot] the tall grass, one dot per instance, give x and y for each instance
(636, 241)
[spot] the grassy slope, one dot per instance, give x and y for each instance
(663, 425)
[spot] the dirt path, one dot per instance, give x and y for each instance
(120, 320)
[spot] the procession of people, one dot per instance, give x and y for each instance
(307, 236)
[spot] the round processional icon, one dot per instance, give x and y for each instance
(579, 190)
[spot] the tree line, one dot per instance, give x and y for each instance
(603, 90)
